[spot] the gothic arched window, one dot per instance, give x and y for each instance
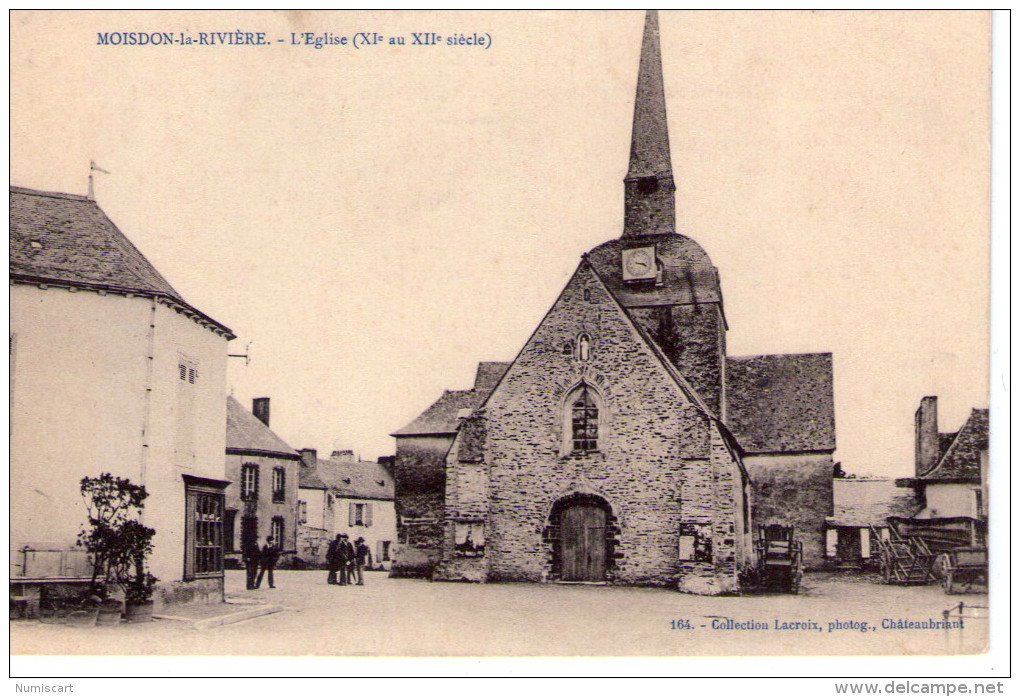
(584, 421)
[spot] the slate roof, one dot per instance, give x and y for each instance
(962, 459)
(310, 479)
(488, 374)
(68, 239)
(443, 417)
(861, 502)
(688, 275)
(349, 478)
(781, 403)
(247, 433)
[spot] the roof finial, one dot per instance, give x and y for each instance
(649, 189)
(93, 167)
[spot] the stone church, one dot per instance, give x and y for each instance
(622, 444)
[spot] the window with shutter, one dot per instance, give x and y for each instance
(279, 484)
(368, 515)
(277, 532)
(249, 482)
(184, 413)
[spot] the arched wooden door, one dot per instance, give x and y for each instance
(583, 543)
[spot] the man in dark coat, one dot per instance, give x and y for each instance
(333, 560)
(352, 559)
(362, 556)
(342, 557)
(250, 555)
(267, 561)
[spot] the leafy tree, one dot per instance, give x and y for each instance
(117, 541)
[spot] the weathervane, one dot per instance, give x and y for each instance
(93, 167)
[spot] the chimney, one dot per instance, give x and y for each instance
(260, 408)
(309, 458)
(343, 455)
(926, 436)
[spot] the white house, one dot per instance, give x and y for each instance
(344, 495)
(950, 478)
(111, 370)
(861, 509)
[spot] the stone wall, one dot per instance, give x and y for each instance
(692, 336)
(794, 489)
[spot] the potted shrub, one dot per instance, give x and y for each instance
(138, 598)
(118, 542)
(110, 611)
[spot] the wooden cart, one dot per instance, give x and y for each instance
(904, 560)
(966, 570)
(779, 558)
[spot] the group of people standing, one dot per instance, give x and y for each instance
(347, 560)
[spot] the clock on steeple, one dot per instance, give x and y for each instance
(638, 263)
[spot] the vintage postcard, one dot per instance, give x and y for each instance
(502, 334)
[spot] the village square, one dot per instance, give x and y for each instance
(622, 483)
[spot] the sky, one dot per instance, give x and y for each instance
(372, 222)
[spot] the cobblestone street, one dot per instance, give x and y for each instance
(400, 617)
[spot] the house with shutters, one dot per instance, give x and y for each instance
(622, 444)
(345, 495)
(262, 499)
(111, 370)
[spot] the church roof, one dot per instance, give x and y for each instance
(69, 240)
(445, 414)
(688, 276)
(781, 403)
(488, 374)
(246, 433)
(962, 459)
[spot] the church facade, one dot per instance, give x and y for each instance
(615, 447)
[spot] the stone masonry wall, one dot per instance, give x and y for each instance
(796, 490)
(466, 500)
(419, 500)
(692, 337)
(653, 466)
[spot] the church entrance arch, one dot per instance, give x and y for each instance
(581, 541)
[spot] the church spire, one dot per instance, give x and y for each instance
(649, 206)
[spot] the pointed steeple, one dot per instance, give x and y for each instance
(648, 187)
